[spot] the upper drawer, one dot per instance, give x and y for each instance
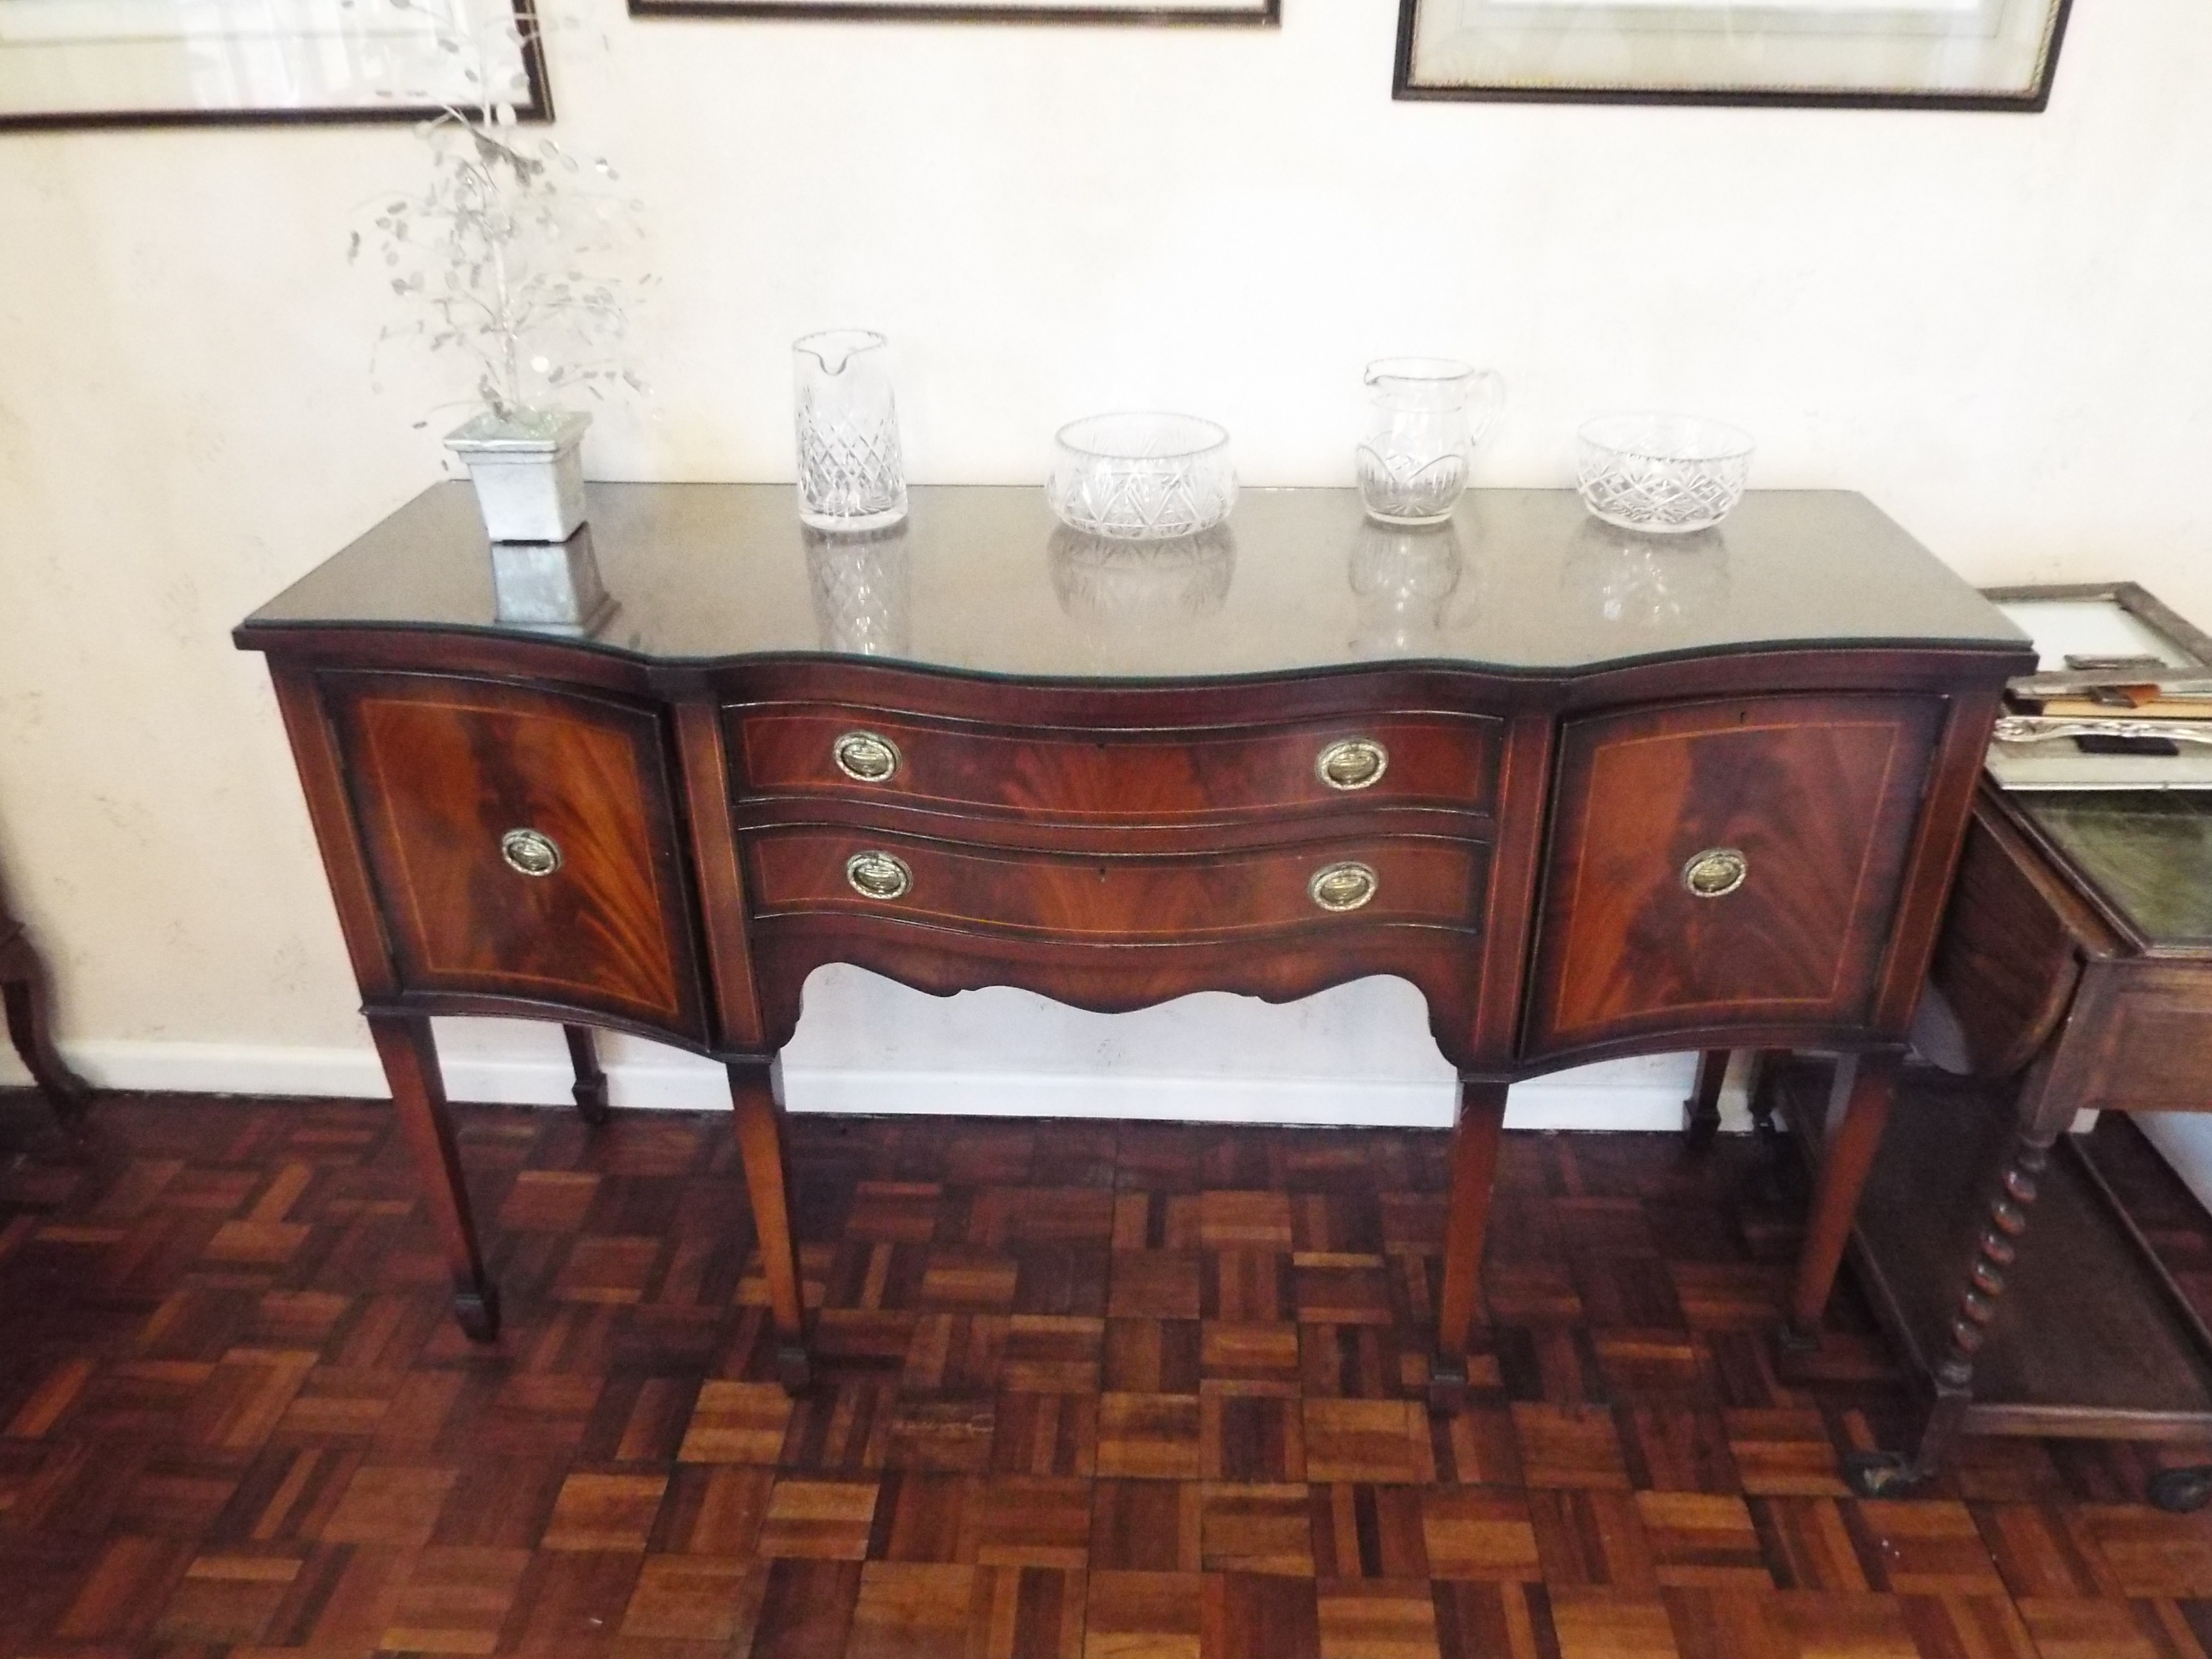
(1734, 862)
(1113, 775)
(521, 841)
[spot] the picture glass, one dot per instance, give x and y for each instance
(1982, 52)
(84, 62)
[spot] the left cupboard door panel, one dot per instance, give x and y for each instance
(522, 843)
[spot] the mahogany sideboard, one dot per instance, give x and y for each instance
(1593, 794)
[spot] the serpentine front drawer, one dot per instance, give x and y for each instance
(1339, 883)
(522, 843)
(1188, 772)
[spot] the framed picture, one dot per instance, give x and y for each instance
(1261, 14)
(1947, 54)
(133, 63)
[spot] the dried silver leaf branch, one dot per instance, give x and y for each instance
(518, 255)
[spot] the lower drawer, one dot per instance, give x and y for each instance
(1420, 880)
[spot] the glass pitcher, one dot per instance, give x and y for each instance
(863, 591)
(1405, 578)
(850, 474)
(1428, 415)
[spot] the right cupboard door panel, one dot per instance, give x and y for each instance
(1730, 862)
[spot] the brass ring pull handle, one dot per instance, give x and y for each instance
(877, 875)
(1352, 763)
(1716, 873)
(865, 756)
(530, 853)
(1344, 886)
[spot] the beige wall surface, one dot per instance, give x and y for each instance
(1995, 326)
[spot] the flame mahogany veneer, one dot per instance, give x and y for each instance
(1115, 816)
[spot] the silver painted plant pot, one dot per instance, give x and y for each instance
(551, 586)
(529, 474)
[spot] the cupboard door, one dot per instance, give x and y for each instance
(1727, 863)
(522, 843)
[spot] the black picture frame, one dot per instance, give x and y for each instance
(1407, 86)
(1267, 14)
(537, 107)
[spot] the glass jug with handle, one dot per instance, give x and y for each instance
(1427, 416)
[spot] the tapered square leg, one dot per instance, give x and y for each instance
(27, 995)
(591, 1089)
(756, 1093)
(1475, 1141)
(404, 1043)
(1843, 1169)
(1701, 1112)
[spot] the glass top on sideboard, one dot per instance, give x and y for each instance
(983, 580)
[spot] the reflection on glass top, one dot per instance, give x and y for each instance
(2149, 852)
(984, 580)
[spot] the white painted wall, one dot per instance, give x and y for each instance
(1994, 325)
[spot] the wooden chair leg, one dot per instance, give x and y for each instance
(591, 1089)
(756, 1093)
(1701, 1112)
(1475, 1171)
(1770, 1177)
(404, 1043)
(27, 995)
(1843, 1169)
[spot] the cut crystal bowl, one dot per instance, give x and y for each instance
(1661, 473)
(1141, 477)
(1140, 584)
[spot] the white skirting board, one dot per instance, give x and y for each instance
(2184, 1141)
(1360, 1054)
(1637, 1094)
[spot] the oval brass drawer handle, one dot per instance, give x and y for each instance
(1344, 886)
(529, 851)
(1352, 763)
(878, 875)
(1716, 873)
(866, 756)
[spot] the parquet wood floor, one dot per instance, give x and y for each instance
(1089, 1391)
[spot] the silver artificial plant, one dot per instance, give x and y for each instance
(517, 255)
